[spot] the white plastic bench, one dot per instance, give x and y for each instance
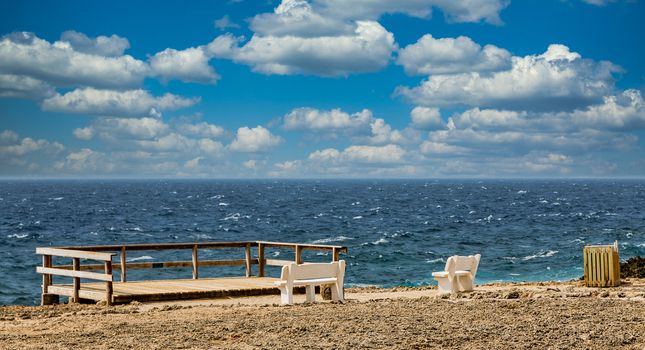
(311, 275)
(458, 275)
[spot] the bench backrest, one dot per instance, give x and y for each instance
(305, 271)
(463, 263)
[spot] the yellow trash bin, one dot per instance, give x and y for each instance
(602, 265)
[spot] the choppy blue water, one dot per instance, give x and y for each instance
(398, 232)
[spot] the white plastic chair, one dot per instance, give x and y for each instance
(458, 275)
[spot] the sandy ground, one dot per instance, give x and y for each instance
(532, 315)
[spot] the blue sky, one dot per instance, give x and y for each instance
(322, 88)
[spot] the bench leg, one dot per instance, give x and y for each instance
(337, 292)
(311, 293)
(445, 287)
(286, 296)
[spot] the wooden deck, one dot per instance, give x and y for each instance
(107, 289)
(158, 290)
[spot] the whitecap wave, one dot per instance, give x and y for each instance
(432, 261)
(380, 241)
(139, 258)
(358, 217)
(521, 192)
(57, 198)
(542, 254)
(331, 239)
(18, 236)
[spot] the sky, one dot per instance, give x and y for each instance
(322, 89)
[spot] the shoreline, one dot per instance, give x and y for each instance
(502, 315)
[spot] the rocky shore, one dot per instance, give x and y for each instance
(527, 315)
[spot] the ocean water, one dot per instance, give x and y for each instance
(397, 231)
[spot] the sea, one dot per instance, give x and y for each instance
(398, 231)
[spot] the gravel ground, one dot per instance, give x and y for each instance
(538, 316)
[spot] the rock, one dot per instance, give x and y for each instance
(514, 294)
(634, 267)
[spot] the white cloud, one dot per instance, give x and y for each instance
(382, 133)
(556, 80)
(424, 118)
(8, 137)
(387, 154)
(451, 55)
(625, 111)
(130, 128)
(454, 10)
(335, 119)
(298, 18)
(84, 133)
(174, 142)
(201, 129)
(368, 49)
(13, 146)
(490, 119)
(253, 140)
(116, 103)
(430, 147)
(190, 65)
(59, 64)
(225, 23)
(251, 164)
(110, 46)
(20, 86)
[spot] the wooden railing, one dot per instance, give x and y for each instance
(48, 270)
(78, 271)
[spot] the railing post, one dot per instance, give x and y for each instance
(335, 253)
(108, 284)
(298, 254)
(248, 259)
(46, 298)
(260, 260)
(76, 265)
(124, 276)
(195, 263)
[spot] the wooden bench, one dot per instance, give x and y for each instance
(311, 275)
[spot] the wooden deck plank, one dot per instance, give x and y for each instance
(157, 290)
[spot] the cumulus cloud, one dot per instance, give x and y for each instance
(254, 140)
(625, 111)
(451, 55)
(335, 119)
(190, 65)
(454, 10)
(84, 133)
(12, 145)
(60, 64)
(387, 154)
(110, 46)
(424, 118)
(555, 80)
(367, 49)
(201, 129)
(225, 23)
(115, 103)
(298, 18)
(20, 86)
(126, 128)
(361, 126)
